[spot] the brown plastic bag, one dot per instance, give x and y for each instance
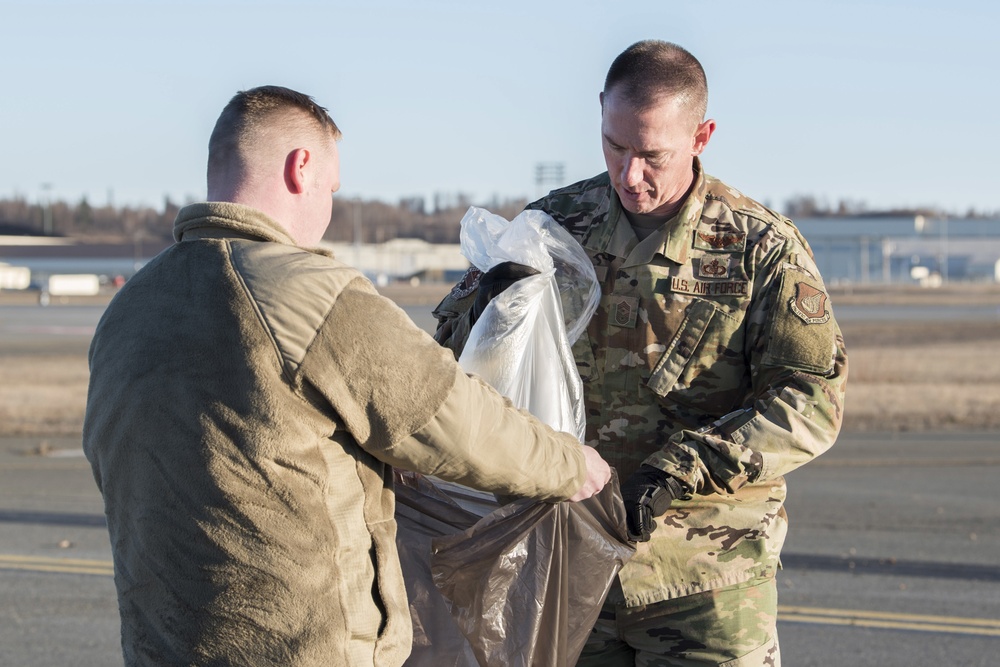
(424, 511)
(525, 583)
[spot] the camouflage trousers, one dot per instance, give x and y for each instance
(731, 627)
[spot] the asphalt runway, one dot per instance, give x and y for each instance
(892, 555)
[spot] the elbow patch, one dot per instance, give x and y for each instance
(802, 331)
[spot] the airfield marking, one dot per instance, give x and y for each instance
(786, 614)
(60, 565)
(890, 621)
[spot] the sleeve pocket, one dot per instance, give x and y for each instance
(802, 331)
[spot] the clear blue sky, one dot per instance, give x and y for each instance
(891, 102)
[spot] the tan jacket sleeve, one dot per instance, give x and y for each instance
(478, 438)
(408, 403)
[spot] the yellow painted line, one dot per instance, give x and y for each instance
(988, 622)
(787, 614)
(46, 464)
(890, 620)
(64, 565)
(912, 463)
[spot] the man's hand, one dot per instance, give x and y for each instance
(647, 494)
(598, 475)
(495, 281)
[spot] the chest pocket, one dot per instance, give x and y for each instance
(702, 366)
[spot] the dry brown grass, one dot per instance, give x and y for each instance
(42, 394)
(904, 376)
(923, 376)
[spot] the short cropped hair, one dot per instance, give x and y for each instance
(252, 115)
(653, 69)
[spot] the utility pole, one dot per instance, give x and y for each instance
(46, 210)
(357, 233)
(865, 261)
(944, 252)
(886, 260)
(548, 174)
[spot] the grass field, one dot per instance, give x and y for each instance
(923, 376)
(904, 376)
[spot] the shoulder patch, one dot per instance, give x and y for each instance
(802, 333)
(809, 304)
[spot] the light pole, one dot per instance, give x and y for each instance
(886, 260)
(945, 252)
(46, 210)
(548, 174)
(357, 232)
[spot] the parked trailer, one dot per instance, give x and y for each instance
(14, 277)
(73, 284)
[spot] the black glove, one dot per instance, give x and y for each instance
(495, 281)
(648, 493)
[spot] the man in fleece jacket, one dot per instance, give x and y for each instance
(249, 395)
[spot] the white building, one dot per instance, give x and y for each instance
(402, 259)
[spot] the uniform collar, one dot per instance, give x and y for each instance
(611, 232)
(679, 232)
(227, 220)
(672, 240)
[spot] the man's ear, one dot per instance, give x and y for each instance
(701, 136)
(295, 168)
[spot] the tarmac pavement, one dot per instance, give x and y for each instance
(892, 554)
(891, 557)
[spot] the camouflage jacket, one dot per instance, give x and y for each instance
(714, 355)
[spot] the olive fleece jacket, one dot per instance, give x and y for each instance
(247, 400)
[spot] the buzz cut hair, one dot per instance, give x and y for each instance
(252, 117)
(650, 70)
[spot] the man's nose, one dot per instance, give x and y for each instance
(632, 172)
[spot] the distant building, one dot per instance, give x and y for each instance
(903, 250)
(403, 260)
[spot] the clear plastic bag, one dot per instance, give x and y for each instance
(526, 583)
(424, 511)
(521, 344)
(522, 583)
(517, 585)
(533, 238)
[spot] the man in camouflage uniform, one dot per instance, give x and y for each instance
(712, 367)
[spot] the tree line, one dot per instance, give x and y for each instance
(809, 206)
(352, 220)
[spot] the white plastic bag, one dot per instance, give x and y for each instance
(524, 584)
(521, 344)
